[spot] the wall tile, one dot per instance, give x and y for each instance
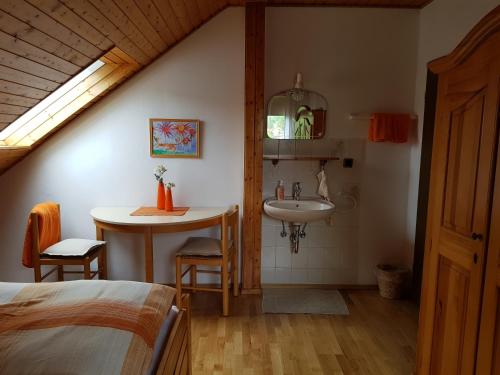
(314, 276)
(267, 275)
(268, 235)
(348, 257)
(299, 260)
(328, 252)
(331, 257)
(331, 276)
(315, 257)
(267, 220)
(299, 275)
(321, 236)
(283, 257)
(282, 276)
(270, 146)
(268, 258)
(282, 241)
(304, 148)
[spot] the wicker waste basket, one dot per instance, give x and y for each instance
(391, 280)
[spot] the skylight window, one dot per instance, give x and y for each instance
(46, 108)
(69, 100)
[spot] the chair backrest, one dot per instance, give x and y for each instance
(44, 230)
(230, 228)
(45, 225)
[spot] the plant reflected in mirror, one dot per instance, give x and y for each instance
(296, 114)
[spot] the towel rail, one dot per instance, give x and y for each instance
(276, 158)
(367, 116)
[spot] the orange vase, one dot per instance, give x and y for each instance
(169, 203)
(160, 201)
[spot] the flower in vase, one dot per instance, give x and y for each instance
(159, 171)
(170, 185)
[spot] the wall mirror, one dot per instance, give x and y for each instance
(296, 114)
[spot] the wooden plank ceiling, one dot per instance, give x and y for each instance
(43, 43)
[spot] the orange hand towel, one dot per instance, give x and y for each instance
(389, 127)
(49, 230)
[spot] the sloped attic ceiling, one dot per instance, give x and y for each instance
(45, 43)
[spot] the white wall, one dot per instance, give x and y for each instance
(102, 158)
(362, 60)
(442, 25)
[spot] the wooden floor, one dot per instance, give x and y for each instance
(378, 337)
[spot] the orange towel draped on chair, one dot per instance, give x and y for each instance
(49, 230)
(389, 127)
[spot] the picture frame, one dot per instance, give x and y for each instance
(174, 138)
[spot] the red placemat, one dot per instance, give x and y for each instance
(153, 211)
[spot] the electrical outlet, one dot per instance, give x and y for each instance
(348, 163)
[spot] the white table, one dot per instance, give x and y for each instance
(118, 219)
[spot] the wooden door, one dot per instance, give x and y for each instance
(464, 149)
(488, 359)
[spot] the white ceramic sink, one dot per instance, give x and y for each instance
(302, 211)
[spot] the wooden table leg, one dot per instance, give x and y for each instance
(99, 233)
(101, 261)
(148, 252)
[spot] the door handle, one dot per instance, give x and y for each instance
(477, 236)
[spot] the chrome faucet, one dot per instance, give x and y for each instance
(296, 189)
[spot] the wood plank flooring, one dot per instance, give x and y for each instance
(377, 338)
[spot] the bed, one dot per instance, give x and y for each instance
(93, 327)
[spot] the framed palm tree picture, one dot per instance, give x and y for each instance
(174, 138)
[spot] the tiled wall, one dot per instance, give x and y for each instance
(329, 252)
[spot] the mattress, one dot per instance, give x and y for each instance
(84, 327)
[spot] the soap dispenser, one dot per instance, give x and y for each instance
(280, 190)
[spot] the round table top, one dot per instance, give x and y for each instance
(121, 216)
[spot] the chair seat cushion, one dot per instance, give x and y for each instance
(72, 247)
(201, 247)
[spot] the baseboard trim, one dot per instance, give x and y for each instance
(323, 286)
(251, 291)
(291, 286)
(217, 285)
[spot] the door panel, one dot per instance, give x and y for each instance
(459, 217)
(488, 353)
(496, 340)
(489, 338)
(464, 153)
(463, 158)
(452, 295)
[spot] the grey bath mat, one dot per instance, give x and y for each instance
(303, 301)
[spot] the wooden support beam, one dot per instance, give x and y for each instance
(254, 126)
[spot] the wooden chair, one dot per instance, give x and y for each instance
(205, 251)
(61, 254)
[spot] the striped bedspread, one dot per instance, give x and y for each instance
(81, 327)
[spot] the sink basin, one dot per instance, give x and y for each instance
(302, 211)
